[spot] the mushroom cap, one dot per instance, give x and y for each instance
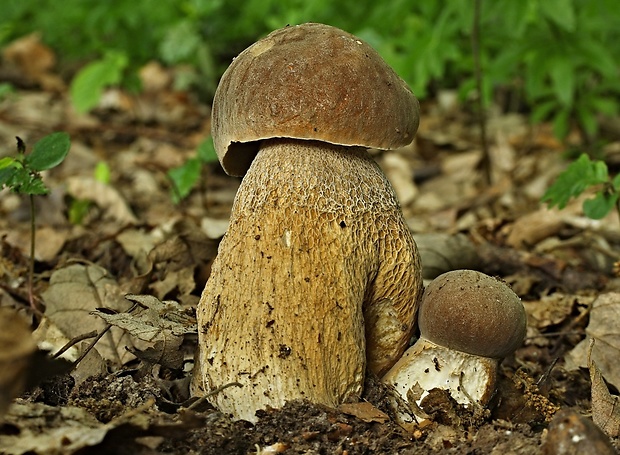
(313, 82)
(472, 312)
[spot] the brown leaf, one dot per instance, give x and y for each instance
(156, 321)
(605, 407)
(604, 327)
(105, 196)
(551, 309)
(364, 411)
(33, 60)
(74, 292)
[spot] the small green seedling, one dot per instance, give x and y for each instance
(579, 176)
(79, 208)
(185, 177)
(22, 174)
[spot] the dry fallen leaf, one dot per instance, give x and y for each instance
(77, 290)
(33, 61)
(47, 430)
(105, 196)
(399, 173)
(604, 327)
(530, 229)
(157, 321)
(551, 309)
(364, 411)
(442, 252)
(605, 407)
(161, 323)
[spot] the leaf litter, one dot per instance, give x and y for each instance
(130, 392)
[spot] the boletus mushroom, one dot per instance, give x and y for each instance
(317, 277)
(468, 322)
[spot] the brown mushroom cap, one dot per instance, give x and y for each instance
(472, 312)
(313, 82)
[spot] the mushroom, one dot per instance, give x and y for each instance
(468, 322)
(318, 276)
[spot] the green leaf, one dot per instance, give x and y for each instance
(184, 178)
(563, 80)
(78, 209)
(102, 172)
(33, 186)
(7, 161)
(206, 151)
(561, 123)
(600, 205)
(6, 89)
(542, 110)
(561, 12)
(180, 43)
(7, 176)
(49, 152)
(616, 183)
(22, 181)
(87, 86)
(588, 121)
(576, 178)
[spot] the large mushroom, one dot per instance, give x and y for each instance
(318, 276)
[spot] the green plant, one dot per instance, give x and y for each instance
(558, 59)
(22, 174)
(559, 56)
(88, 85)
(185, 177)
(78, 208)
(581, 175)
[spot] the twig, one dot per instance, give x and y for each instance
(73, 342)
(213, 392)
(547, 373)
(98, 337)
(90, 346)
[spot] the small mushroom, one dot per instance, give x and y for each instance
(468, 322)
(318, 276)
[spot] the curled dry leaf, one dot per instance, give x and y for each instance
(604, 327)
(156, 321)
(161, 323)
(605, 406)
(365, 411)
(551, 310)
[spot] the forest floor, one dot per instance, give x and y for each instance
(129, 395)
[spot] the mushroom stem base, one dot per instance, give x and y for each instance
(469, 379)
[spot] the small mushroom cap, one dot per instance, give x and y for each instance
(314, 82)
(472, 312)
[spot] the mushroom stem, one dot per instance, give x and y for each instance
(316, 248)
(468, 378)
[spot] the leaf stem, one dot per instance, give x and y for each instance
(485, 164)
(32, 245)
